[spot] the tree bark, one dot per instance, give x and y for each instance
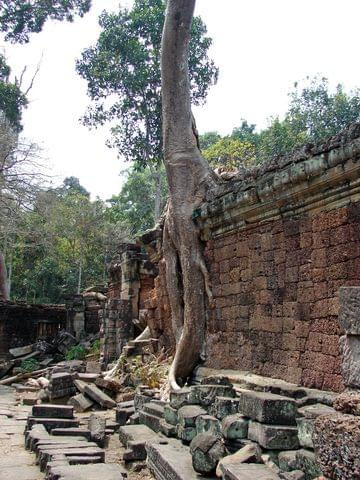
(4, 293)
(189, 178)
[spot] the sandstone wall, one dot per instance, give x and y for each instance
(280, 240)
(22, 324)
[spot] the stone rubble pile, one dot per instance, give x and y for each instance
(237, 433)
(61, 446)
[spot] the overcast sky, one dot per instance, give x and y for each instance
(260, 46)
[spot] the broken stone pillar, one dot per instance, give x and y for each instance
(349, 318)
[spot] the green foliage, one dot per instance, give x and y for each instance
(124, 82)
(29, 365)
(134, 206)
(95, 348)
(19, 18)
(61, 245)
(12, 100)
(314, 114)
(230, 152)
(76, 352)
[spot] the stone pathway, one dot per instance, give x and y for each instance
(16, 463)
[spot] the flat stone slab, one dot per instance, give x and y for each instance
(81, 403)
(104, 471)
(273, 437)
(171, 461)
(71, 432)
(50, 423)
(99, 397)
(128, 433)
(53, 411)
(248, 471)
(267, 407)
(21, 351)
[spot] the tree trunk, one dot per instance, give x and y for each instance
(158, 194)
(79, 277)
(4, 293)
(189, 178)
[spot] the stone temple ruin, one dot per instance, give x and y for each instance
(277, 393)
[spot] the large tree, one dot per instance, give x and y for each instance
(190, 178)
(19, 18)
(124, 82)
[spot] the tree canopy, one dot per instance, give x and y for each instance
(19, 18)
(123, 75)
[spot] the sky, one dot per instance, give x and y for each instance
(260, 46)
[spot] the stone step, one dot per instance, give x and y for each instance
(50, 423)
(154, 408)
(71, 432)
(150, 421)
(108, 471)
(123, 414)
(53, 411)
(134, 438)
(247, 471)
(267, 407)
(170, 460)
(45, 456)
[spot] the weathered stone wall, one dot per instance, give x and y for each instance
(280, 240)
(22, 324)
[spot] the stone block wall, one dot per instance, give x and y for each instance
(22, 324)
(279, 240)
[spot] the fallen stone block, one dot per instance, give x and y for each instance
(307, 463)
(248, 471)
(185, 434)
(224, 406)
(267, 407)
(168, 461)
(93, 367)
(71, 432)
(249, 454)
(205, 395)
(167, 429)
(235, 427)
(21, 351)
(151, 421)
(305, 423)
(134, 438)
(30, 398)
(46, 455)
(109, 384)
(134, 419)
(97, 427)
(287, 460)
(80, 385)
(123, 414)
(99, 397)
(188, 414)
(81, 403)
(50, 423)
(208, 424)
(179, 398)
(206, 450)
(86, 377)
(337, 441)
(273, 437)
(170, 414)
(53, 411)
